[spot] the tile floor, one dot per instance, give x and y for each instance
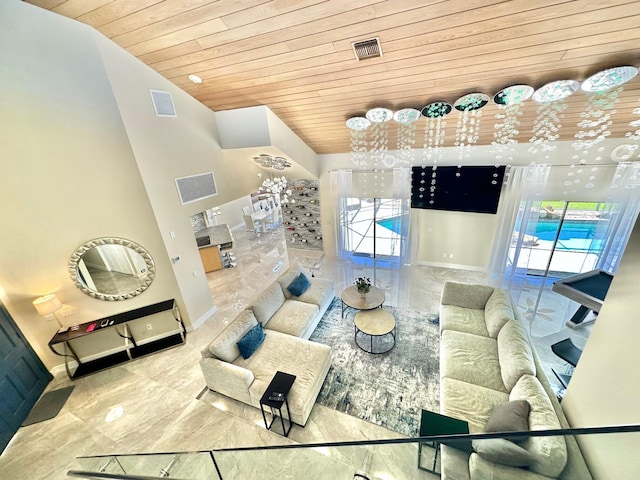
(159, 406)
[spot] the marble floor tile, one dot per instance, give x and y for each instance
(150, 404)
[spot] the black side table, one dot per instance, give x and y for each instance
(432, 424)
(274, 397)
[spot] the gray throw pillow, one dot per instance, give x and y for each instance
(511, 416)
(502, 451)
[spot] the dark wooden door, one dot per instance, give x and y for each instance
(23, 377)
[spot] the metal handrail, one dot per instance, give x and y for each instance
(111, 476)
(439, 438)
(450, 439)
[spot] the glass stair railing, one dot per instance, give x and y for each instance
(391, 459)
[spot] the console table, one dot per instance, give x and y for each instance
(93, 346)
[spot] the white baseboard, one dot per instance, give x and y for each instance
(451, 265)
(198, 323)
(60, 368)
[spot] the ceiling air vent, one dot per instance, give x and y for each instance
(163, 103)
(367, 49)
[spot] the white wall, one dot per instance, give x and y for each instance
(68, 172)
(166, 148)
(84, 156)
(462, 239)
(605, 387)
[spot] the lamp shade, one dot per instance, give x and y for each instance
(47, 304)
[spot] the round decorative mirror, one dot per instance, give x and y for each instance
(111, 269)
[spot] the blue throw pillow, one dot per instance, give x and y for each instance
(299, 285)
(251, 341)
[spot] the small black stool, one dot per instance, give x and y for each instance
(432, 424)
(567, 351)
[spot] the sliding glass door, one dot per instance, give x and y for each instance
(565, 238)
(374, 228)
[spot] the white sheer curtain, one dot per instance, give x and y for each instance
(524, 187)
(341, 190)
(625, 197)
(402, 192)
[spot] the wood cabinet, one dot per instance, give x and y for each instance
(210, 257)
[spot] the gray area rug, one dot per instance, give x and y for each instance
(389, 389)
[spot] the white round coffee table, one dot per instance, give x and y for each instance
(375, 323)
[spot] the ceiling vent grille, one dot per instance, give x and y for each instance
(163, 103)
(367, 49)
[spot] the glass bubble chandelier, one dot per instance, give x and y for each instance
(635, 126)
(604, 88)
(406, 119)
(548, 122)
(434, 132)
(509, 100)
(468, 124)
(370, 132)
(358, 127)
(268, 161)
(276, 186)
(378, 148)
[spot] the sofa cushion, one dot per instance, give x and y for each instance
(502, 451)
(469, 402)
(549, 453)
(289, 276)
(268, 303)
(470, 358)
(511, 416)
(514, 352)
(481, 469)
(251, 340)
(498, 311)
(300, 285)
(293, 317)
(225, 346)
(460, 319)
(321, 293)
(465, 295)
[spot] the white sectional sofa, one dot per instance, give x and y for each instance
(288, 322)
(486, 360)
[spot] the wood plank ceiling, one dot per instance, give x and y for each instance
(295, 56)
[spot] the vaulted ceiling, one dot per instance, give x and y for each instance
(296, 57)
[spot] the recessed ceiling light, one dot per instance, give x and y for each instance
(471, 101)
(513, 95)
(379, 115)
(436, 109)
(406, 115)
(608, 79)
(195, 78)
(555, 91)
(358, 123)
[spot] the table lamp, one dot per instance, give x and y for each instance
(48, 305)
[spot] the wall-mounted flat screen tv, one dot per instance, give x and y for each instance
(462, 189)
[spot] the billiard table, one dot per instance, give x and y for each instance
(589, 289)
